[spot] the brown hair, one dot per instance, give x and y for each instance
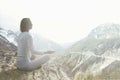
(24, 25)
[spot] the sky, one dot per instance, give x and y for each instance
(62, 21)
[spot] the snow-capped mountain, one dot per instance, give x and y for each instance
(97, 54)
(10, 35)
(106, 31)
(103, 39)
(6, 45)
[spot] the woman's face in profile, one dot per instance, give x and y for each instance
(30, 26)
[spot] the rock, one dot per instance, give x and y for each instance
(50, 71)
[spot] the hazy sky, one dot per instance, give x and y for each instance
(61, 20)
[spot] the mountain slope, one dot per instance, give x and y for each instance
(7, 54)
(102, 46)
(101, 39)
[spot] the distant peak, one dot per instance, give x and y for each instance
(106, 31)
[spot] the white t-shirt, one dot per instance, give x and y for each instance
(25, 49)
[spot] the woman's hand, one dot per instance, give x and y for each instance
(49, 52)
(33, 57)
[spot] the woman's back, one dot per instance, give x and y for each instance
(23, 56)
(23, 48)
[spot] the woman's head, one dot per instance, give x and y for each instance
(25, 25)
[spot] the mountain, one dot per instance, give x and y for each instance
(40, 43)
(100, 54)
(10, 35)
(92, 58)
(6, 45)
(102, 39)
(106, 31)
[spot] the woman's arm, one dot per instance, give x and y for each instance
(30, 45)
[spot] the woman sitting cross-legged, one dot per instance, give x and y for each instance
(26, 49)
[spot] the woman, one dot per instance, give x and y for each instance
(26, 49)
